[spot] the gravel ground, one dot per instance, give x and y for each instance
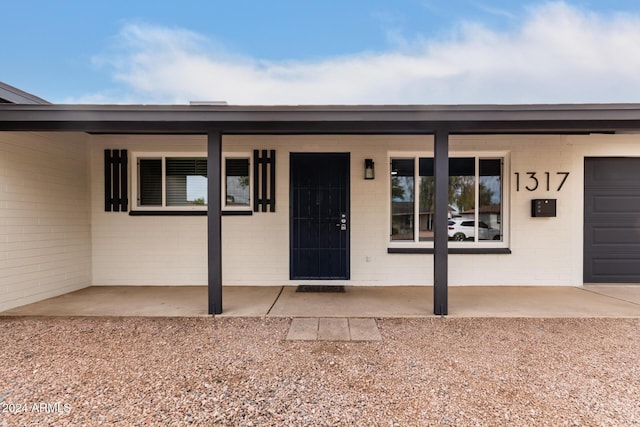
(241, 372)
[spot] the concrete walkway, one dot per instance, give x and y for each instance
(355, 303)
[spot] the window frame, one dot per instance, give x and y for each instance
(223, 193)
(476, 244)
(135, 178)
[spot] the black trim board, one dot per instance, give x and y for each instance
(167, 213)
(236, 213)
(452, 251)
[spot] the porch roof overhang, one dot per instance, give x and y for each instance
(365, 119)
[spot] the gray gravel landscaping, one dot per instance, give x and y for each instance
(242, 372)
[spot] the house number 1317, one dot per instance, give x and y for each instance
(532, 182)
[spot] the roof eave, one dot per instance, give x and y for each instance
(580, 118)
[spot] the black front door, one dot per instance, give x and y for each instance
(319, 216)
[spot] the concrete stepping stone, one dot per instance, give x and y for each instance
(364, 330)
(303, 329)
(333, 329)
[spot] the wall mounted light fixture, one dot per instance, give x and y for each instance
(369, 169)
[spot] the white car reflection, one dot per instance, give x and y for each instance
(463, 229)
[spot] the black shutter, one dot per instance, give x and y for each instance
(264, 180)
(116, 183)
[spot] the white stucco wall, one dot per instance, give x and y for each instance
(45, 243)
(173, 250)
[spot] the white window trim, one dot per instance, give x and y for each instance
(223, 192)
(477, 155)
(135, 190)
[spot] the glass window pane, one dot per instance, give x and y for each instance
(490, 200)
(237, 182)
(150, 182)
(425, 200)
(462, 188)
(186, 181)
(402, 199)
(462, 199)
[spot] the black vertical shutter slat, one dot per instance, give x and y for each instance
(272, 181)
(256, 180)
(264, 181)
(107, 180)
(116, 180)
(124, 181)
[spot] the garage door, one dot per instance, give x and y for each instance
(612, 220)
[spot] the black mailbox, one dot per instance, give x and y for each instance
(543, 207)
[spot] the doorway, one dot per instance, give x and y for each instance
(319, 216)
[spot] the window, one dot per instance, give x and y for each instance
(237, 182)
(171, 182)
(237, 185)
(402, 199)
(475, 199)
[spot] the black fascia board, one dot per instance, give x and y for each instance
(391, 128)
(579, 118)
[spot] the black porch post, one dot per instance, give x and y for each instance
(214, 225)
(440, 255)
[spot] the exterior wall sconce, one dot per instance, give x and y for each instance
(369, 170)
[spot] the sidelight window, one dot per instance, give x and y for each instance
(236, 175)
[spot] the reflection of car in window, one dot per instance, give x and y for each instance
(463, 229)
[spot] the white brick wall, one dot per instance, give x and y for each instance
(45, 244)
(55, 236)
(545, 251)
(145, 250)
(173, 250)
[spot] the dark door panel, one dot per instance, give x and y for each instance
(319, 235)
(612, 220)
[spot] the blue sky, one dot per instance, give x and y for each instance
(326, 52)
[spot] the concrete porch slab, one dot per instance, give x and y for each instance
(357, 302)
(145, 301)
(152, 301)
(537, 301)
(629, 293)
(248, 301)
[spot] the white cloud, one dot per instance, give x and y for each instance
(557, 54)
